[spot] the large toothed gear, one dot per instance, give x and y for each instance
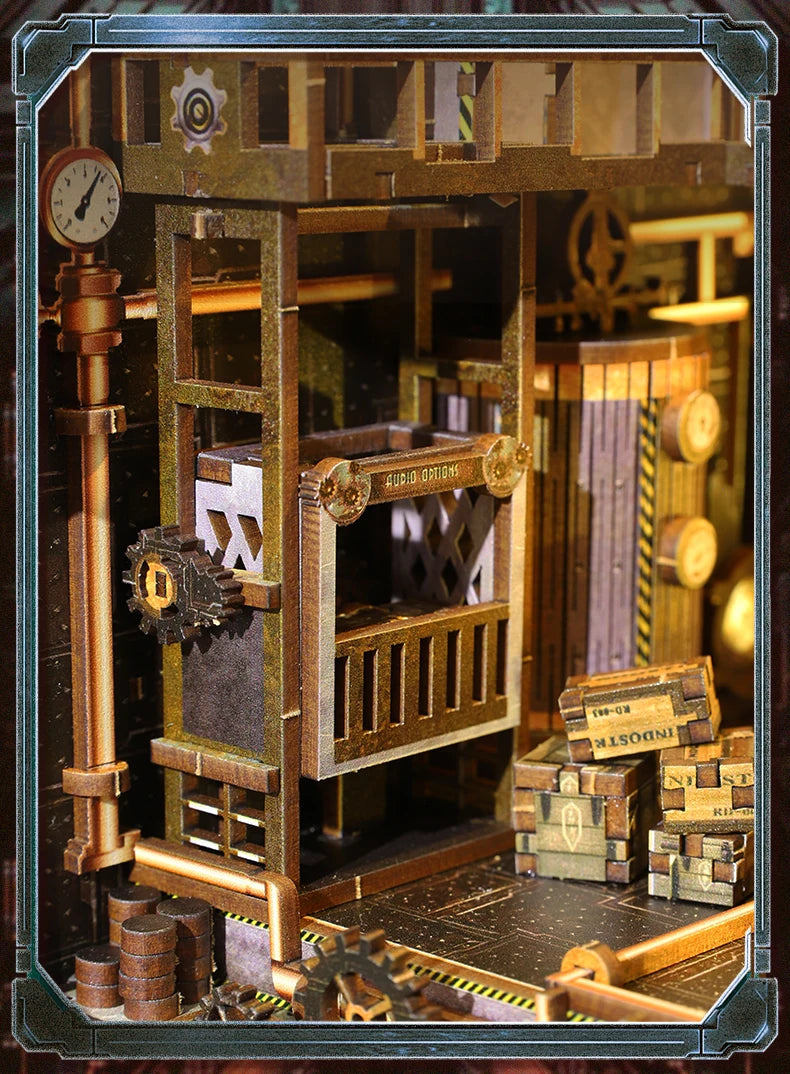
(198, 106)
(357, 978)
(176, 587)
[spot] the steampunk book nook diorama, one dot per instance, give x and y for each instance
(392, 441)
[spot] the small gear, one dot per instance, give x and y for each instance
(358, 978)
(198, 106)
(232, 1002)
(176, 587)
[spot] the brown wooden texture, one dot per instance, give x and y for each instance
(609, 715)
(224, 766)
(386, 690)
(97, 965)
(97, 996)
(129, 900)
(148, 934)
(138, 966)
(549, 767)
(582, 821)
(709, 788)
(151, 1010)
(146, 987)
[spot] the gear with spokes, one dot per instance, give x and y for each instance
(359, 978)
(176, 586)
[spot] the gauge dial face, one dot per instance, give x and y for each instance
(81, 197)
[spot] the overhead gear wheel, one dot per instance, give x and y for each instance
(355, 978)
(176, 586)
(198, 106)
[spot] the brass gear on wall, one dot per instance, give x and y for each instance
(176, 586)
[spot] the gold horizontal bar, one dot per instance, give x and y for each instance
(714, 311)
(691, 228)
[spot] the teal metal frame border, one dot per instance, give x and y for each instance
(745, 55)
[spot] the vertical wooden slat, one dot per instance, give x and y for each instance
(488, 110)
(279, 491)
(248, 99)
(567, 105)
(383, 686)
(411, 680)
(648, 108)
(306, 85)
(423, 291)
(354, 694)
(411, 107)
(578, 548)
(174, 322)
(518, 413)
(439, 674)
(317, 634)
(465, 664)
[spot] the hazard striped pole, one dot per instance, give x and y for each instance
(648, 432)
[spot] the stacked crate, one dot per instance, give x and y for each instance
(618, 713)
(586, 805)
(704, 849)
(582, 821)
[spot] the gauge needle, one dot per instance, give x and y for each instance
(85, 200)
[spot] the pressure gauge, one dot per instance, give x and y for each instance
(690, 427)
(80, 196)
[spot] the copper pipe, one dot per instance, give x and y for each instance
(277, 890)
(284, 979)
(80, 103)
(91, 312)
(239, 295)
(246, 294)
(660, 951)
(594, 996)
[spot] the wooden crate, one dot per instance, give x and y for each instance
(709, 788)
(717, 869)
(582, 821)
(618, 713)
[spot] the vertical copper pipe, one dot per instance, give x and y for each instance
(80, 104)
(90, 312)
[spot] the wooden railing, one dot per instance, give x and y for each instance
(413, 679)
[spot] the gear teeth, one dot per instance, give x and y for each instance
(346, 939)
(394, 960)
(205, 594)
(372, 942)
(308, 966)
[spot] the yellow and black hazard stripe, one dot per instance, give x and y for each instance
(450, 979)
(466, 108)
(648, 448)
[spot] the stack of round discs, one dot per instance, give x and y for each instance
(129, 900)
(96, 970)
(147, 980)
(192, 918)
